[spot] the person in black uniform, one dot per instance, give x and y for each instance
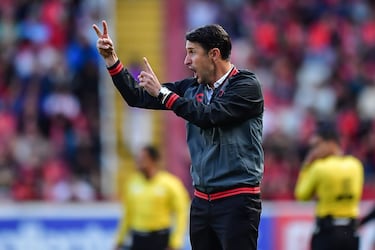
(337, 181)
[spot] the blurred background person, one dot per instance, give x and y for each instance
(156, 206)
(337, 181)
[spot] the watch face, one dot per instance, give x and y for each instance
(163, 90)
(161, 93)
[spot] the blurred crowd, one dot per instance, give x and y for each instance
(316, 61)
(49, 116)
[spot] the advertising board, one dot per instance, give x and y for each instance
(46, 226)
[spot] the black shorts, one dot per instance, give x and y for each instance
(156, 240)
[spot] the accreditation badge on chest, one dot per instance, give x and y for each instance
(149, 191)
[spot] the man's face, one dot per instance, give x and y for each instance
(143, 160)
(316, 141)
(198, 61)
(322, 148)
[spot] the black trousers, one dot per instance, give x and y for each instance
(329, 236)
(157, 240)
(229, 223)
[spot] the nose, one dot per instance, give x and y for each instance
(187, 60)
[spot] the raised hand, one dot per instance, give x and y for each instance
(104, 44)
(149, 80)
(319, 152)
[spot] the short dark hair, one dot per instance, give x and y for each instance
(152, 152)
(328, 132)
(211, 36)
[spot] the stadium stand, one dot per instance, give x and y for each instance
(49, 120)
(315, 60)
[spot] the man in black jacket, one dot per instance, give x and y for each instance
(223, 107)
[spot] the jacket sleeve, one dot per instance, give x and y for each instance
(123, 224)
(306, 183)
(180, 206)
(241, 101)
(133, 94)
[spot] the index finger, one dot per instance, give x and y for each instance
(148, 66)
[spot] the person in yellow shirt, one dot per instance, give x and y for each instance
(337, 181)
(155, 207)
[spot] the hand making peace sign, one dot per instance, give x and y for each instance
(104, 44)
(147, 78)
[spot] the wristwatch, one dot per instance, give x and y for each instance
(163, 94)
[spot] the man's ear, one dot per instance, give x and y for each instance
(214, 54)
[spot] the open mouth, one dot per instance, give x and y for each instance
(194, 72)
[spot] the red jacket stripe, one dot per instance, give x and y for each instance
(116, 69)
(171, 100)
(233, 72)
(231, 192)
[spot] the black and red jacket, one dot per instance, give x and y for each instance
(224, 135)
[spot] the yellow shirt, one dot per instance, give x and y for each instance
(337, 181)
(155, 204)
